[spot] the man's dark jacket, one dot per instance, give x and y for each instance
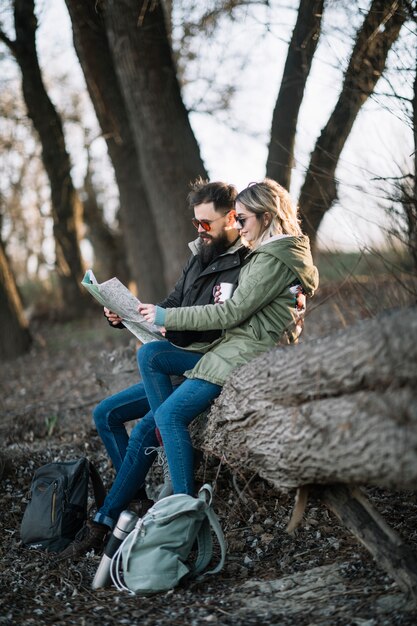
(196, 285)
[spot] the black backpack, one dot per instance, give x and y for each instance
(57, 506)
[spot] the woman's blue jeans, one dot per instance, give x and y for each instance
(174, 410)
(132, 456)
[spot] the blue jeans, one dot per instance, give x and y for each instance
(175, 409)
(138, 456)
(111, 415)
(132, 472)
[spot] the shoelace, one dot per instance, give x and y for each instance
(162, 460)
(163, 463)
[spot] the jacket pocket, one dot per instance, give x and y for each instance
(255, 328)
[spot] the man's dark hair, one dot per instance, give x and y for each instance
(222, 195)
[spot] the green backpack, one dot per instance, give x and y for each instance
(154, 557)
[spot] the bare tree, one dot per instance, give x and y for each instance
(23, 188)
(169, 153)
(301, 49)
(143, 249)
(380, 29)
(66, 205)
(15, 338)
(403, 209)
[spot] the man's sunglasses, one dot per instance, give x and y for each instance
(206, 224)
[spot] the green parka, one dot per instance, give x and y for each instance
(261, 309)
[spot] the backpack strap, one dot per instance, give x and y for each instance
(204, 548)
(98, 487)
(204, 538)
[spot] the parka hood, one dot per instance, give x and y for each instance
(295, 253)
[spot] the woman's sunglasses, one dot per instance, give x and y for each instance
(241, 220)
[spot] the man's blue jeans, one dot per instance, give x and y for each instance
(113, 412)
(175, 409)
(111, 415)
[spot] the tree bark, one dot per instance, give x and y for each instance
(341, 409)
(169, 153)
(374, 40)
(300, 55)
(15, 338)
(144, 255)
(66, 206)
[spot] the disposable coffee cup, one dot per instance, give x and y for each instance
(226, 290)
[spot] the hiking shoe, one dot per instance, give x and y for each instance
(92, 536)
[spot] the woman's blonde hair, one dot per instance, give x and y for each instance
(268, 197)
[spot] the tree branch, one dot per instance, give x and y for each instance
(380, 29)
(12, 45)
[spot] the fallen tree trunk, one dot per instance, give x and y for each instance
(340, 409)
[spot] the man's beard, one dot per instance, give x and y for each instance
(210, 248)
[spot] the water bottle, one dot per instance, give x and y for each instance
(125, 523)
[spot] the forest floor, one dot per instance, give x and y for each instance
(319, 575)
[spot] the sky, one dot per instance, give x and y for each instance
(234, 145)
